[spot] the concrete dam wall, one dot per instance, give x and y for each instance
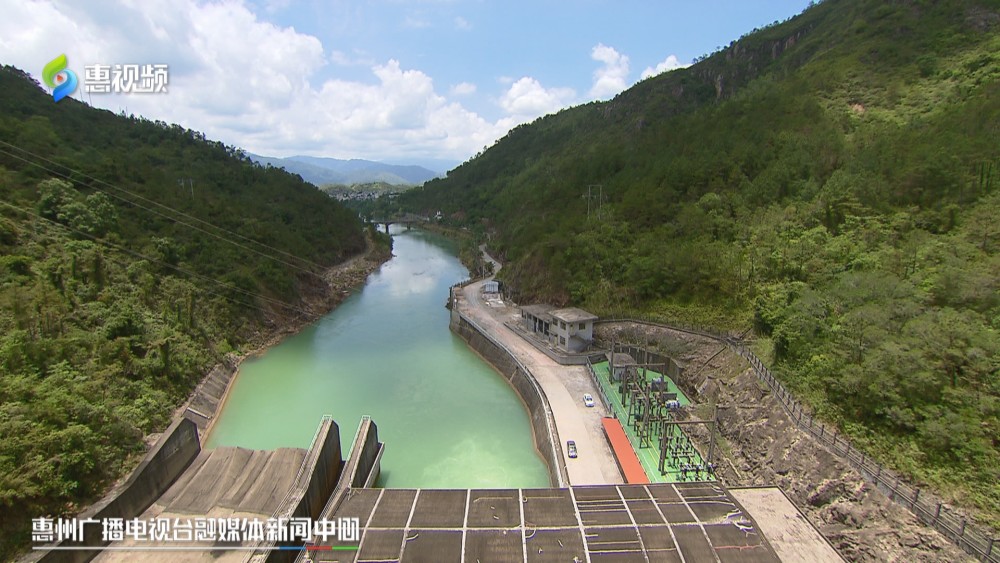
(165, 462)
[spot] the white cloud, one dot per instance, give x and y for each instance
(668, 64)
(263, 87)
(610, 79)
(528, 99)
(247, 82)
(463, 89)
(462, 23)
(341, 58)
(414, 22)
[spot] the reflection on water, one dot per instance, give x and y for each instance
(447, 419)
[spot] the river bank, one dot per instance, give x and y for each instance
(206, 401)
(472, 255)
(448, 419)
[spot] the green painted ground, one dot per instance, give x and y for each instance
(650, 456)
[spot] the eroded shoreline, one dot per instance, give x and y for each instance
(209, 396)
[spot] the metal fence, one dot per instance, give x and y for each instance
(975, 540)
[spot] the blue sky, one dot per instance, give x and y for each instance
(384, 80)
(490, 44)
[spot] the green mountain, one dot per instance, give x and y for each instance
(832, 181)
(133, 255)
(323, 171)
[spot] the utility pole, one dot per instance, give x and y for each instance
(590, 195)
(711, 441)
(190, 184)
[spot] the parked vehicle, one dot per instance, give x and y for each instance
(571, 448)
(588, 399)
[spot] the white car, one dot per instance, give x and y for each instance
(588, 399)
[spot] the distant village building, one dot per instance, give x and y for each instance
(569, 330)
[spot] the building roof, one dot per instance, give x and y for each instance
(573, 315)
(540, 310)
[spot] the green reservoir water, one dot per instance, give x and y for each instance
(446, 417)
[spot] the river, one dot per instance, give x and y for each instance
(447, 418)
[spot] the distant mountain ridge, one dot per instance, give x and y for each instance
(320, 171)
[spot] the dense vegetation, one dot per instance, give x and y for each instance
(832, 181)
(133, 254)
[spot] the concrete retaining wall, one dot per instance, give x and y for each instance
(542, 422)
(366, 454)
(166, 460)
(203, 406)
(366, 451)
(561, 358)
(313, 485)
(356, 471)
(674, 370)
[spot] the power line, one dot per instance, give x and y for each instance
(174, 219)
(171, 266)
(169, 218)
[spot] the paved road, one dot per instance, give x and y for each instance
(564, 387)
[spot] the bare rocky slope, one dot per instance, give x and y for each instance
(762, 446)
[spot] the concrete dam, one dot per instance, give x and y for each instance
(656, 522)
(179, 484)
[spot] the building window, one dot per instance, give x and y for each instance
(562, 341)
(582, 326)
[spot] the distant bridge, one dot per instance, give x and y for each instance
(405, 219)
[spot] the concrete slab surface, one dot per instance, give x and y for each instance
(786, 528)
(231, 483)
(574, 524)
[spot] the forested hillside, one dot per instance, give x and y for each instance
(832, 181)
(133, 255)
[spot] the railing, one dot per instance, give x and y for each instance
(974, 540)
(558, 463)
(608, 407)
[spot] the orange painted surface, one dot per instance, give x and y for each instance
(628, 462)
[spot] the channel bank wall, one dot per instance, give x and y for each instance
(542, 422)
(314, 483)
(164, 463)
